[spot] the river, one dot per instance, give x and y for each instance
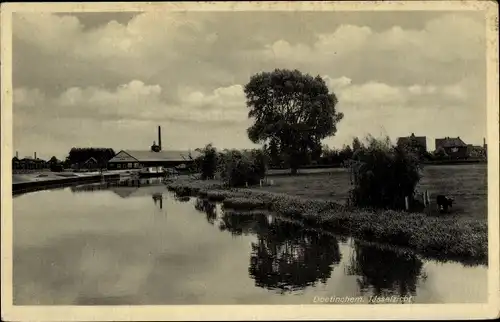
(94, 245)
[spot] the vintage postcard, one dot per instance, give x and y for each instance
(255, 160)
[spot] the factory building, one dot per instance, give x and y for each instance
(154, 159)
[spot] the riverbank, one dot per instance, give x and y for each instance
(29, 183)
(464, 239)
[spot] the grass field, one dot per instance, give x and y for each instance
(466, 183)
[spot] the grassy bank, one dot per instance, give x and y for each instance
(432, 236)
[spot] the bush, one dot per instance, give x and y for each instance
(56, 167)
(240, 168)
(206, 163)
(383, 175)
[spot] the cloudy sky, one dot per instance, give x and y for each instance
(109, 79)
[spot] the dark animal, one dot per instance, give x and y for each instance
(444, 202)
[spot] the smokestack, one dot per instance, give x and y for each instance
(35, 155)
(159, 136)
(17, 154)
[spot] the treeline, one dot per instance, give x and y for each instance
(382, 175)
(325, 156)
(78, 156)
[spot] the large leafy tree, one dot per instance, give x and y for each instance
(294, 109)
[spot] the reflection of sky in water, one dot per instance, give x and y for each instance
(106, 247)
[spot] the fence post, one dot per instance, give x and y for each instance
(407, 204)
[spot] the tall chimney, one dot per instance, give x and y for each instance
(17, 154)
(159, 137)
(35, 155)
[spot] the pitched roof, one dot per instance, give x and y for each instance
(450, 143)
(90, 160)
(145, 155)
(422, 140)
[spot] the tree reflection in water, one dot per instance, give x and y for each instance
(385, 272)
(241, 223)
(285, 257)
(207, 207)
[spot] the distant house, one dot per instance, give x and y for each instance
(418, 142)
(134, 159)
(453, 147)
(90, 164)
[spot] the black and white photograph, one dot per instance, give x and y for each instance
(215, 158)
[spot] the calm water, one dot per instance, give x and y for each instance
(131, 245)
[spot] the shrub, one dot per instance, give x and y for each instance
(383, 175)
(56, 167)
(206, 163)
(239, 168)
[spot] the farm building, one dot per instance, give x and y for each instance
(153, 158)
(419, 142)
(454, 147)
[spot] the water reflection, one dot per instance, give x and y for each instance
(181, 198)
(242, 223)
(207, 207)
(104, 249)
(158, 197)
(285, 257)
(385, 272)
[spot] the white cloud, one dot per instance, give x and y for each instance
(374, 93)
(444, 49)
(137, 100)
(422, 89)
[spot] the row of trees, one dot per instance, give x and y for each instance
(382, 174)
(326, 156)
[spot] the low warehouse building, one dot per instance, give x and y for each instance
(136, 159)
(153, 160)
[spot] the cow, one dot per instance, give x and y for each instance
(444, 202)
